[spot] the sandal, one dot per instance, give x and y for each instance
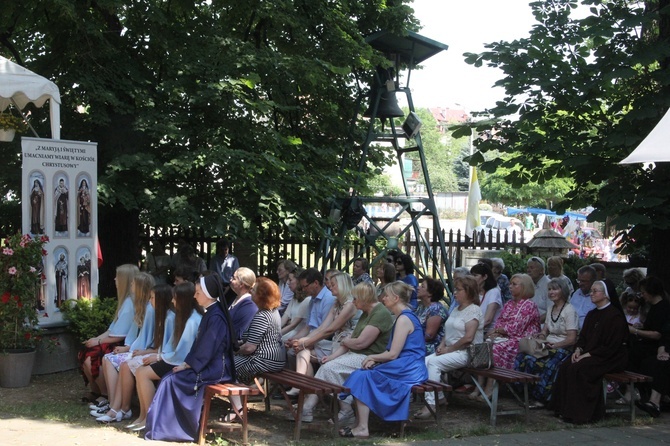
(649, 407)
(348, 433)
(423, 414)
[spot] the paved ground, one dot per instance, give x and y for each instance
(22, 432)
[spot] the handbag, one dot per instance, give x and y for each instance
(533, 347)
(480, 356)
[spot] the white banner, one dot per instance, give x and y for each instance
(60, 200)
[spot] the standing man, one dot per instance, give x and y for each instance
(581, 298)
(225, 264)
(536, 270)
(361, 266)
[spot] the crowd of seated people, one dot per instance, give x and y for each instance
(370, 338)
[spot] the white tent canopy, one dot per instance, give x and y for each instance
(20, 86)
(655, 147)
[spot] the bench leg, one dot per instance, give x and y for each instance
(494, 402)
(632, 403)
(526, 407)
(245, 420)
(334, 410)
(204, 417)
(298, 416)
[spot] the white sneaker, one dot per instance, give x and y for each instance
(307, 416)
(293, 391)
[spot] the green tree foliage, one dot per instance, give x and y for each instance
(442, 152)
(583, 93)
(220, 114)
(496, 189)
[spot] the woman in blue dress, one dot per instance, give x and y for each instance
(384, 383)
(174, 414)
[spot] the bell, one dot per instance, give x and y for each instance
(388, 106)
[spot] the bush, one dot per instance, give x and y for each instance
(89, 318)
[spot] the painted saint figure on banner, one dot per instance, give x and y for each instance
(84, 206)
(61, 268)
(61, 207)
(84, 273)
(37, 207)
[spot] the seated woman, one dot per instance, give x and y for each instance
(643, 342)
(658, 368)
(490, 297)
(174, 413)
(560, 335)
(601, 348)
(262, 350)
(431, 312)
(519, 319)
(384, 383)
(144, 324)
(284, 268)
(404, 267)
(385, 274)
(338, 324)
(181, 328)
(242, 309)
(369, 337)
(297, 312)
(461, 329)
(90, 358)
(555, 271)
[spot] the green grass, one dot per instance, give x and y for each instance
(48, 410)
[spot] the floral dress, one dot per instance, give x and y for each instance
(519, 319)
(425, 313)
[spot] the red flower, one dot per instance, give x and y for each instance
(5, 297)
(27, 335)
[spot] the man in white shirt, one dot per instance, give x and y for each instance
(581, 298)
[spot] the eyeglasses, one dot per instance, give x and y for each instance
(592, 291)
(389, 259)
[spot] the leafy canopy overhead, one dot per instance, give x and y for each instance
(582, 91)
(220, 114)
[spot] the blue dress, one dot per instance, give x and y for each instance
(386, 388)
(174, 414)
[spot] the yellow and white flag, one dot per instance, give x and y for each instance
(474, 197)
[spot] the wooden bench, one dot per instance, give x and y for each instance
(628, 378)
(507, 377)
(307, 385)
(225, 390)
(420, 390)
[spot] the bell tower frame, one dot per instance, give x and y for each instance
(405, 52)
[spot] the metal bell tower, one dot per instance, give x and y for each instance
(385, 126)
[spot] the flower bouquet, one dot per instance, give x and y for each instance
(20, 274)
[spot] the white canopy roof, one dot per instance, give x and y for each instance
(23, 86)
(655, 147)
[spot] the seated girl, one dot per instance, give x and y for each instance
(181, 327)
(139, 338)
(297, 312)
(90, 358)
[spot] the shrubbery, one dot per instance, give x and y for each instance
(89, 318)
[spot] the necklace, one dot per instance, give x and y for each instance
(559, 314)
